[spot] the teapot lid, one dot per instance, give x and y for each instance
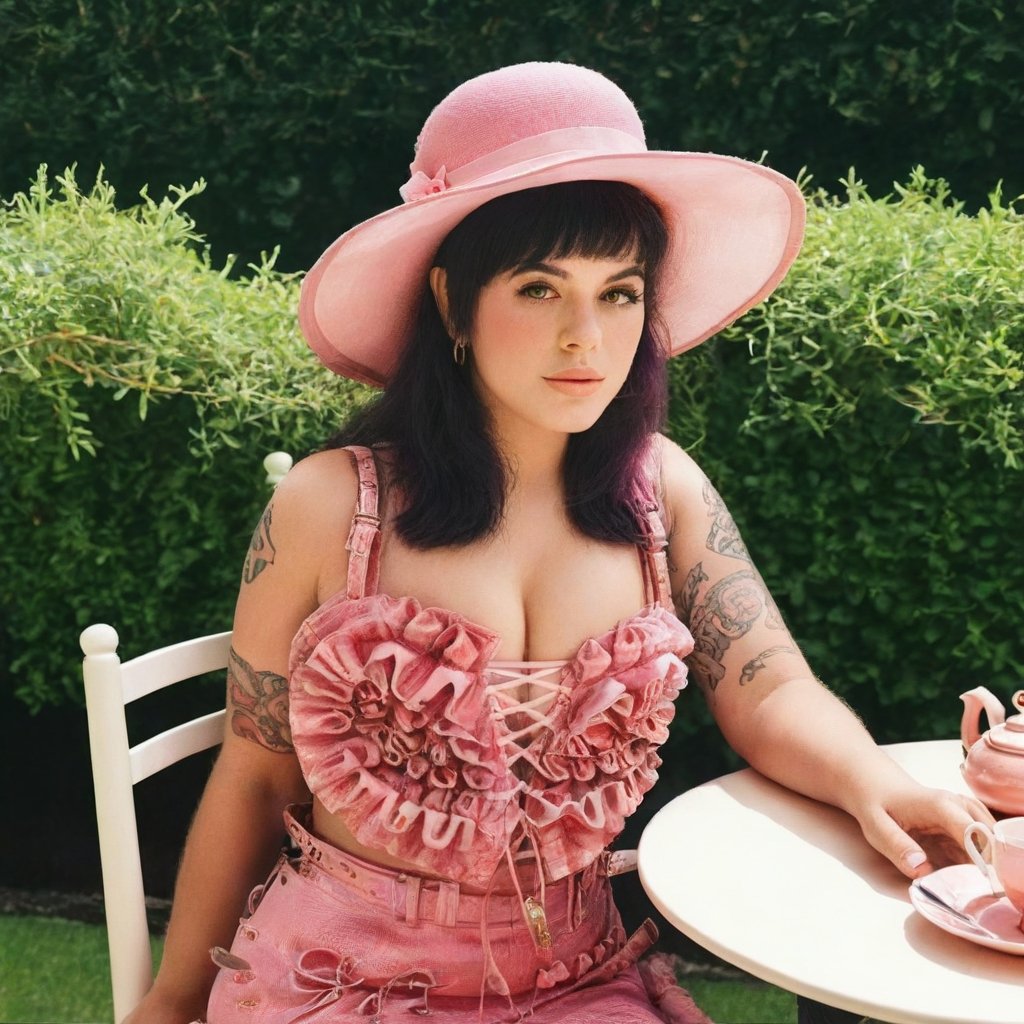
(1010, 735)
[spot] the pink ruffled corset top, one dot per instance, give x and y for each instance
(408, 730)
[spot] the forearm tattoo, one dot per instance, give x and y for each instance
(755, 665)
(261, 549)
(258, 704)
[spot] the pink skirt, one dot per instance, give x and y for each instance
(330, 937)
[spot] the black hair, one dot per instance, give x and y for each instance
(453, 477)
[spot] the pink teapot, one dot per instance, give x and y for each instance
(994, 768)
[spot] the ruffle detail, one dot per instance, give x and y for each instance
(396, 733)
(393, 734)
(600, 765)
(560, 971)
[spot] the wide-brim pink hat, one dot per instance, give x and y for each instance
(734, 226)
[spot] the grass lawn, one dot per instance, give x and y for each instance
(55, 972)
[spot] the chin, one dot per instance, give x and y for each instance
(579, 424)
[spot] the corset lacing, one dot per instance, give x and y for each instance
(505, 678)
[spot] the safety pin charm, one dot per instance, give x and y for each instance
(538, 922)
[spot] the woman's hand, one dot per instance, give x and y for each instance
(918, 828)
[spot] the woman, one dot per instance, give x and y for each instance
(473, 686)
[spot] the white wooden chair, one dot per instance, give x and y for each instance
(117, 767)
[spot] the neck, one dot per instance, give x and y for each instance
(535, 458)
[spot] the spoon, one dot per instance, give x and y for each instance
(958, 914)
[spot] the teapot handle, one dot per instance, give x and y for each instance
(975, 701)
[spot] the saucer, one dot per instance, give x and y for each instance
(964, 887)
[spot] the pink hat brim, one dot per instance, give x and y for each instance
(734, 227)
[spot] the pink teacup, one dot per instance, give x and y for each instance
(1003, 858)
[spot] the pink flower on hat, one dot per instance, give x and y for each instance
(419, 186)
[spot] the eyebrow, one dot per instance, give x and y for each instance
(546, 268)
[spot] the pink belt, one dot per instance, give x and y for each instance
(411, 898)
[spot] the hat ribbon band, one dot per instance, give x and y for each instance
(585, 139)
(599, 140)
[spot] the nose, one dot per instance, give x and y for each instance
(581, 330)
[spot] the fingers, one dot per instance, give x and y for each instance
(924, 833)
(953, 813)
(892, 842)
(978, 811)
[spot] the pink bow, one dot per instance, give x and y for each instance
(323, 975)
(419, 186)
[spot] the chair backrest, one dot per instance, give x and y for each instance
(110, 685)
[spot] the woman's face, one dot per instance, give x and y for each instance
(552, 342)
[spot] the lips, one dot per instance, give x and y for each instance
(579, 373)
(573, 383)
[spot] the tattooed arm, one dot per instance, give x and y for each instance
(237, 831)
(768, 703)
(722, 596)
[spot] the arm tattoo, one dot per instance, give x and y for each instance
(258, 704)
(684, 599)
(261, 549)
(773, 617)
(724, 536)
(727, 613)
(755, 665)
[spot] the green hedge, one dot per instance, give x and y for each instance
(866, 426)
(140, 389)
(302, 116)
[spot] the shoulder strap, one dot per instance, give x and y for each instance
(653, 560)
(363, 544)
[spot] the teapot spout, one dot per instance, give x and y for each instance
(974, 700)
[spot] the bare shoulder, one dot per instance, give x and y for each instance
(718, 592)
(314, 501)
(305, 521)
(304, 525)
(318, 487)
(686, 487)
(682, 477)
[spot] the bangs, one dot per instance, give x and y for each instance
(589, 219)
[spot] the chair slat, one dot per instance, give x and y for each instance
(158, 752)
(156, 669)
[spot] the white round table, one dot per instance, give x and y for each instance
(788, 890)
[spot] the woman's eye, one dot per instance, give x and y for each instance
(623, 297)
(535, 291)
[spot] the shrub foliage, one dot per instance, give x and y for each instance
(140, 389)
(865, 425)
